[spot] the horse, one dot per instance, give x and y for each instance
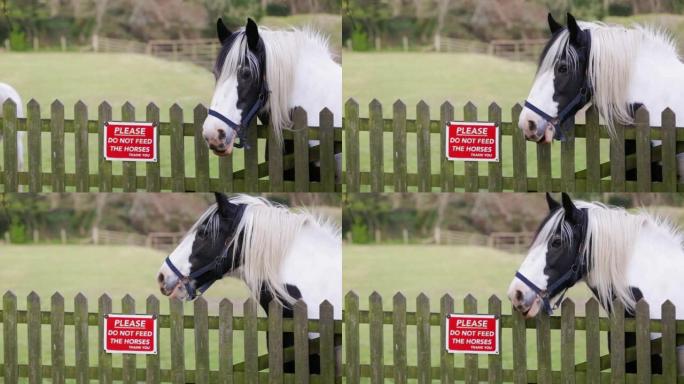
(619, 255)
(267, 73)
(9, 93)
(280, 255)
(617, 69)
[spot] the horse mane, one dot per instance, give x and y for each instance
(282, 55)
(611, 60)
(611, 234)
(267, 231)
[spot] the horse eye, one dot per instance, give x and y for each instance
(562, 68)
(556, 242)
(246, 74)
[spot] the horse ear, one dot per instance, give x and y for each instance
(554, 26)
(569, 207)
(222, 31)
(574, 29)
(222, 203)
(252, 32)
(553, 204)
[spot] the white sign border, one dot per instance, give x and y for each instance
(497, 319)
(155, 127)
(479, 123)
(155, 339)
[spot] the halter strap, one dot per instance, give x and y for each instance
(247, 120)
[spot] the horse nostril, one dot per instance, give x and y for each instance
(518, 295)
(531, 126)
(221, 134)
(160, 278)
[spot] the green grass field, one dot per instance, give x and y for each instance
(439, 270)
(112, 270)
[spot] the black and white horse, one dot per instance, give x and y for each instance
(619, 255)
(268, 73)
(8, 92)
(280, 255)
(617, 69)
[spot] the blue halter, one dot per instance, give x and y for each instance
(240, 128)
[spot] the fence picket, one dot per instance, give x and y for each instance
(275, 343)
(399, 146)
(495, 374)
(57, 145)
(57, 339)
(568, 160)
(35, 149)
(669, 152)
(9, 139)
(351, 147)
(377, 168)
(471, 168)
(251, 153)
(129, 168)
(471, 360)
(643, 146)
(424, 150)
(495, 175)
(275, 161)
(81, 338)
(301, 342)
(617, 159)
(177, 148)
(543, 167)
(104, 307)
(152, 365)
(643, 342)
(201, 322)
(201, 151)
(226, 342)
(327, 151)
(446, 358)
(177, 341)
(593, 150)
(351, 341)
(519, 348)
(423, 339)
(327, 346)
(301, 150)
(592, 333)
(519, 155)
(129, 360)
(33, 323)
(399, 338)
(152, 169)
(81, 147)
(568, 342)
(251, 338)
(617, 343)
(9, 335)
(104, 114)
(543, 348)
(375, 326)
(669, 343)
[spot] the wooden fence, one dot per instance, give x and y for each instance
(430, 136)
(528, 50)
(220, 332)
(407, 345)
(256, 176)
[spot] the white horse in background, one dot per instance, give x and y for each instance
(7, 92)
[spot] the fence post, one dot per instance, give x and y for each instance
(438, 235)
(95, 235)
(438, 42)
(375, 325)
(225, 333)
(7, 238)
(36, 236)
(9, 338)
(405, 42)
(8, 48)
(81, 339)
(63, 235)
(36, 44)
(63, 43)
(378, 44)
(351, 342)
(152, 370)
(405, 235)
(57, 339)
(96, 43)
(423, 339)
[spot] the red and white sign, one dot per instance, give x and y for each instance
(130, 141)
(130, 334)
(472, 141)
(473, 334)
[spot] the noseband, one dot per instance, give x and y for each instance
(236, 215)
(262, 98)
(573, 275)
(580, 100)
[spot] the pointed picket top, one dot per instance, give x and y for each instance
(104, 298)
(618, 308)
(568, 306)
(446, 297)
(176, 109)
(422, 298)
(494, 108)
(351, 295)
(494, 299)
(642, 305)
(668, 306)
(9, 295)
(591, 301)
(274, 308)
(667, 114)
(470, 107)
(127, 106)
(127, 298)
(301, 306)
(80, 105)
(326, 307)
(199, 109)
(517, 108)
(642, 115)
(9, 103)
(398, 104)
(325, 114)
(351, 103)
(422, 105)
(447, 302)
(152, 300)
(57, 298)
(151, 106)
(225, 303)
(200, 302)
(104, 106)
(375, 296)
(446, 106)
(80, 299)
(56, 104)
(399, 298)
(33, 296)
(251, 303)
(33, 103)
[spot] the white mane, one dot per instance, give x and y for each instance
(283, 51)
(613, 52)
(612, 233)
(267, 231)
